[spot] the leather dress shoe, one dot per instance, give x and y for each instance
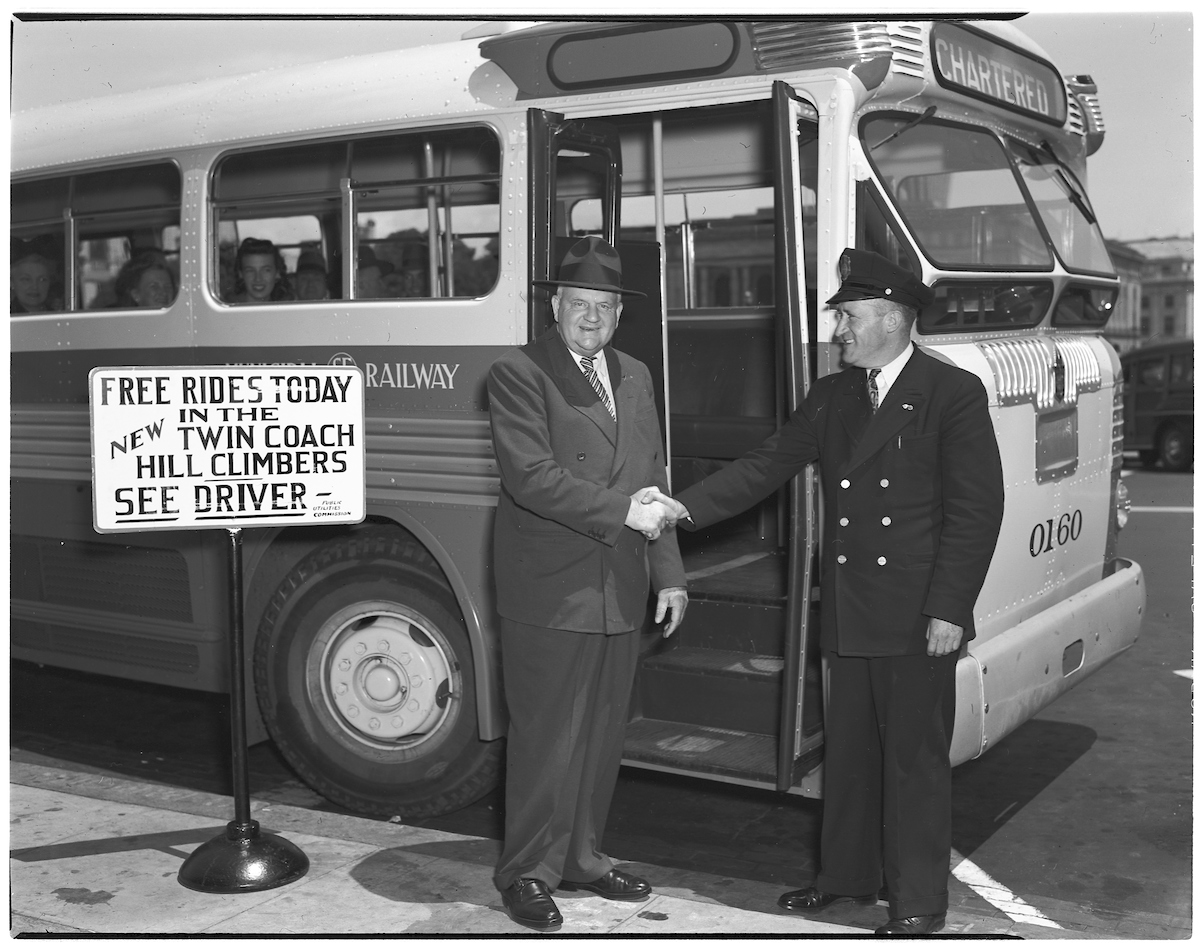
(923, 925)
(529, 903)
(616, 885)
(811, 899)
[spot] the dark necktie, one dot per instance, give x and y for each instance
(873, 388)
(589, 371)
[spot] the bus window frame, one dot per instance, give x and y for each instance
(68, 226)
(1030, 206)
(338, 200)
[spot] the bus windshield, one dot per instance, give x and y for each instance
(1064, 208)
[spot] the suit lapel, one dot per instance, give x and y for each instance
(626, 398)
(904, 401)
(853, 407)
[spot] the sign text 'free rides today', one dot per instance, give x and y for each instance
(177, 448)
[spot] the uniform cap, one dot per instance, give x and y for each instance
(870, 275)
(590, 263)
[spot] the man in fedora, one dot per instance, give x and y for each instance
(578, 442)
(914, 495)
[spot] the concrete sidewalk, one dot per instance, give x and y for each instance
(90, 853)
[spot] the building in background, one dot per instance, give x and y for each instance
(1166, 304)
(1124, 328)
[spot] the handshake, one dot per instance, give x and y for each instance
(651, 511)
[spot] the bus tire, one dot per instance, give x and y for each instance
(365, 680)
(1175, 447)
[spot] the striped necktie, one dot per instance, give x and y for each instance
(873, 388)
(589, 370)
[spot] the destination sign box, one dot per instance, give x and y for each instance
(985, 68)
(178, 448)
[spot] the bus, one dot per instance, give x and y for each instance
(731, 162)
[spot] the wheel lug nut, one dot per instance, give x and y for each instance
(360, 648)
(344, 664)
(341, 688)
(352, 710)
(374, 724)
(405, 658)
(384, 646)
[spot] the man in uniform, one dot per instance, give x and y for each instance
(577, 439)
(914, 494)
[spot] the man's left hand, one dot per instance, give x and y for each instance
(674, 598)
(943, 637)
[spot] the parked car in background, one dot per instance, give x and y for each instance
(1160, 404)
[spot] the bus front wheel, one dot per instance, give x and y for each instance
(1175, 447)
(364, 676)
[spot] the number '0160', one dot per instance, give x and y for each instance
(1047, 535)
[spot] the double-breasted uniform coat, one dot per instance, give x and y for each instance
(572, 587)
(913, 499)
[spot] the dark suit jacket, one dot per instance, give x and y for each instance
(563, 555)
(913, 500)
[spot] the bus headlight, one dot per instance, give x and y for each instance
(1124, 503)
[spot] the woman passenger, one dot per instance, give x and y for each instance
(146, 281)
(260, 273)
(32, 274)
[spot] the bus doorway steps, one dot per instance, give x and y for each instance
(705, 750)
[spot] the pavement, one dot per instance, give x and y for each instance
(91, 853)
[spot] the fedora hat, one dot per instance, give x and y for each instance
(869, 275)
(590, 263)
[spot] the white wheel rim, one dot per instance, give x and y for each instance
(385, 674)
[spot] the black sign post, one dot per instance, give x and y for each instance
(242, 858)
(179, 448)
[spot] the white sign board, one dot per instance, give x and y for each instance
(178, 448)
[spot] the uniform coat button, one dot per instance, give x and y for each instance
(844, 521)
(883, 482)
(581, 456)
(887, 522)
(841, 558)
(881, 561)
(845, 482)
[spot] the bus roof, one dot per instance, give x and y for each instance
(362, 90)
(379, 90)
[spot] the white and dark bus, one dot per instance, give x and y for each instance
(731, 162)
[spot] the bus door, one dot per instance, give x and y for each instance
(725, 194)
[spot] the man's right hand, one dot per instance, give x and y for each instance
(649, 518)
(675, 511)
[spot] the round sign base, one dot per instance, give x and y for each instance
(242, 860)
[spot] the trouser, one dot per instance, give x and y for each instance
(568, 699)
(888, 724)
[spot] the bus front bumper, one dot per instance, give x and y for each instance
(1007, 679)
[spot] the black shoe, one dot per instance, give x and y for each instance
(616, 885)
(810, 899)
(924, 925)
(529, 903)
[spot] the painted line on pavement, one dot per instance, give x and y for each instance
(996, 893)
(1188, 673)
(727, 565)
(1179, 509)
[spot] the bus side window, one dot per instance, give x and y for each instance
(426, 211)
(123, 226)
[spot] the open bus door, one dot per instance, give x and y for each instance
(735, 695)
(798, 735)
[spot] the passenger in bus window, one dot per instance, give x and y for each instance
(312, 281)
(260, 273)
(33, 280)
(914, 496)
(369, 281)
(145, 281)
(575, 561)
